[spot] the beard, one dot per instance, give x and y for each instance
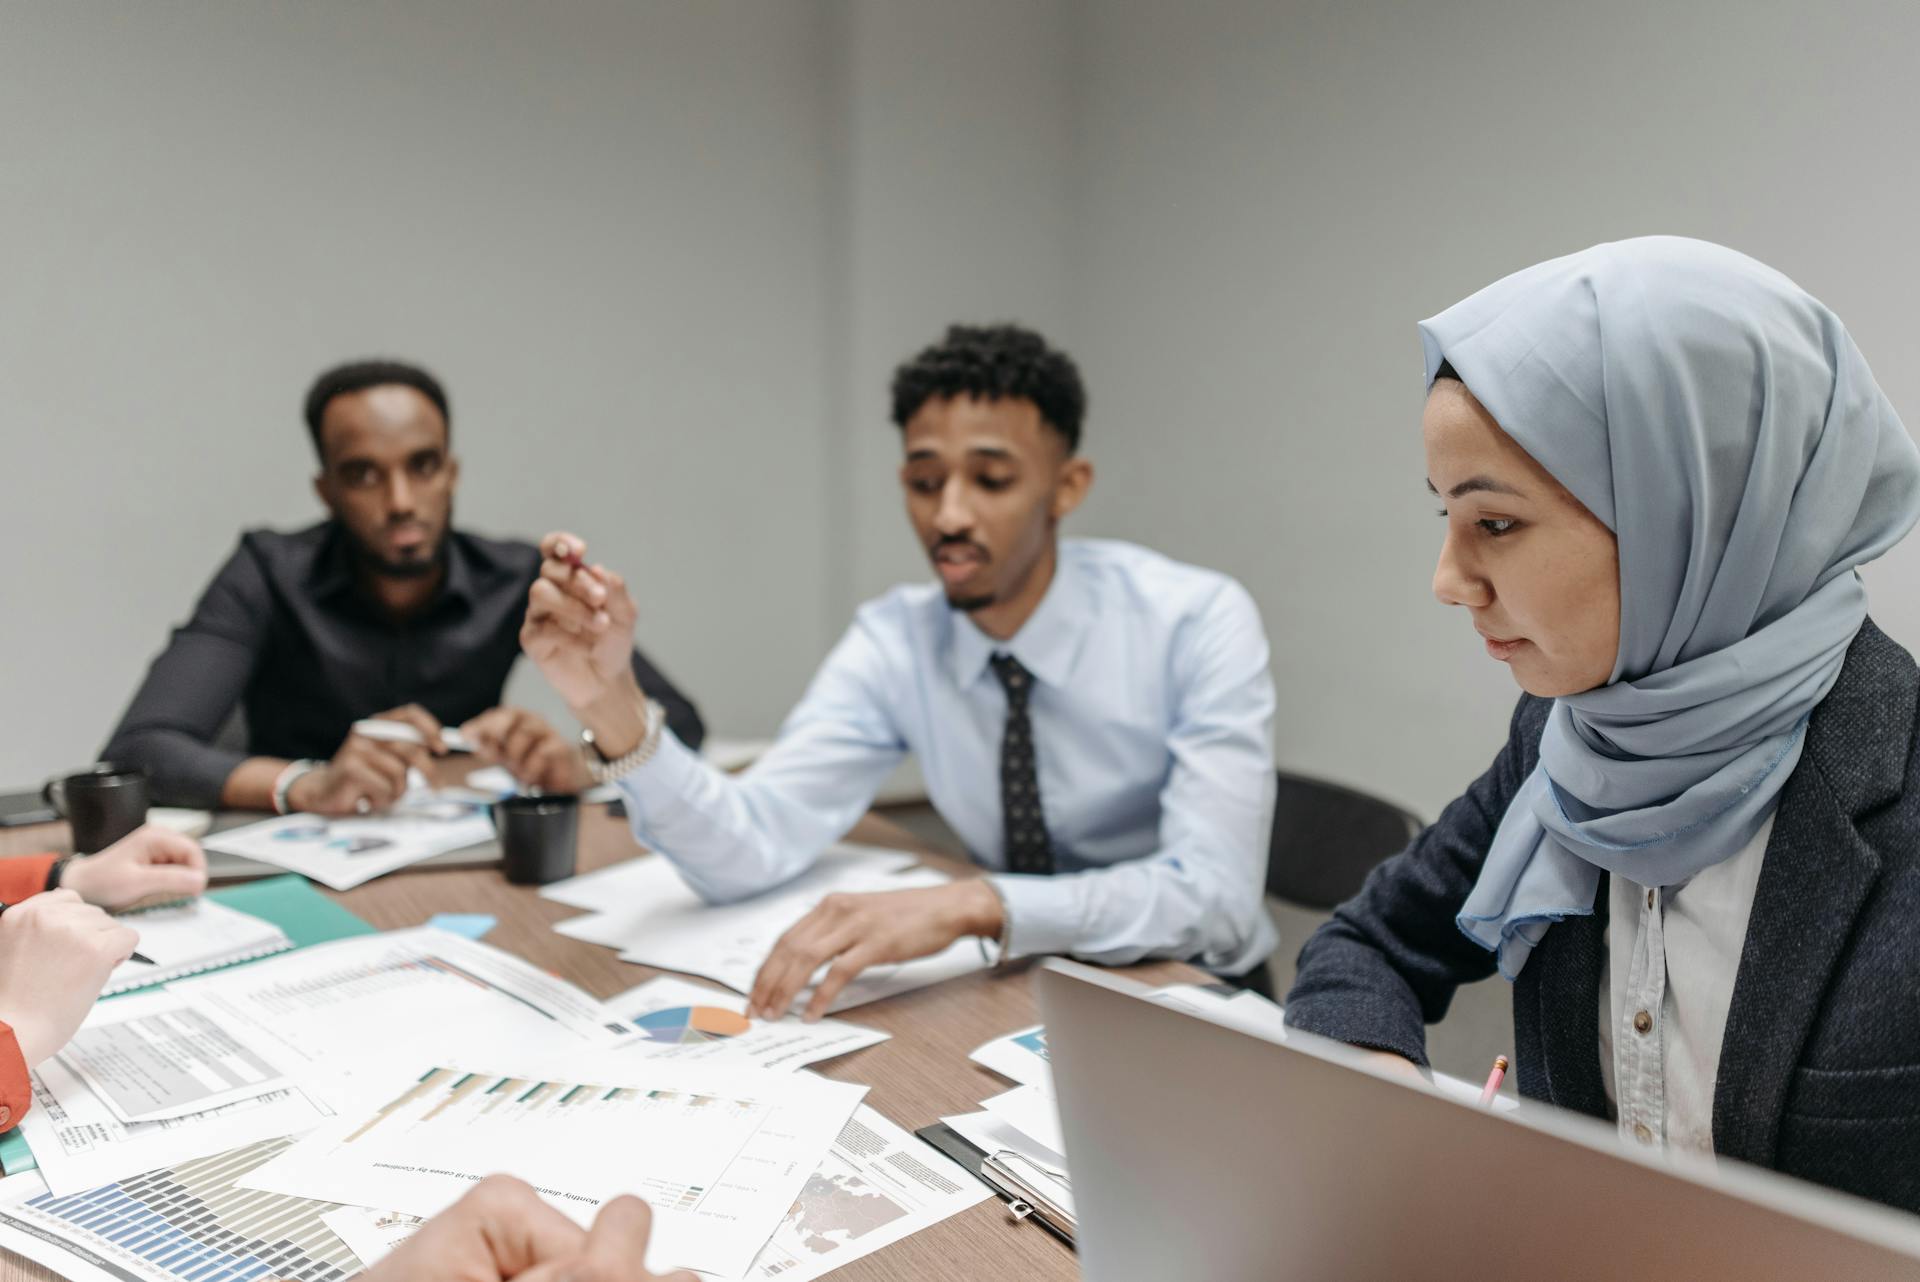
(955, 601)
(369, 559)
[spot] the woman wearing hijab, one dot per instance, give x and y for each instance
(1698, 856)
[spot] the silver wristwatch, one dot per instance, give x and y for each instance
(604, 771)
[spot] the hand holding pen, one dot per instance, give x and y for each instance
(56, 952)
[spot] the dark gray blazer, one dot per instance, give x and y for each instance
(1820, 1069)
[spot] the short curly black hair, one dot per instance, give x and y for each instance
(991, 363)
(358, 376)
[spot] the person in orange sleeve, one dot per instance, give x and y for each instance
(57, 945)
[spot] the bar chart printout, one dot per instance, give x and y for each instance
(675, 1143)
(719, 1152)
(391, 988)
(191, 1221)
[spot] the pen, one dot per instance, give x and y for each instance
(1494, 1079)
(570, 554)
(402, 732)
(142, 958)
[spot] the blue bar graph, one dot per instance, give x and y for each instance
(190, 1223)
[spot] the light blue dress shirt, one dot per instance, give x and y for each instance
(1152, 715)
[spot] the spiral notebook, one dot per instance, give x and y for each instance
(186, 939)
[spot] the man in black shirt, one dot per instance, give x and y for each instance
(384, 610)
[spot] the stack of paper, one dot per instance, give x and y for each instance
(334, 1005)
(267, 1050)
(186, 1220)
(148, 1081)
(1026, 1120)
(645, 910)
(876, 1185)
(721, 1154)
(342, 853)
(300, 1116)
(1243, 1011)
(682, 1021)
(188, 938)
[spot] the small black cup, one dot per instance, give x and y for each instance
(539, 834)
(102, 803)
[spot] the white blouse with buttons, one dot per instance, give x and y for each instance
(1672, 956)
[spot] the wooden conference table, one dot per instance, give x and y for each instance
(920, 1075)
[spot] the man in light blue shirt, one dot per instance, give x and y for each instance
(1093, 719)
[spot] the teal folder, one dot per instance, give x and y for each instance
(289, 902)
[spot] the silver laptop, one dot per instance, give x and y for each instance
(1200, 1152)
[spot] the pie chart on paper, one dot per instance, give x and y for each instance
(679, 1025)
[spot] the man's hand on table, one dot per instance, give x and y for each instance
(502, 1229)
(854, 932)
(369, 774)
(532, 751)
(151, 864)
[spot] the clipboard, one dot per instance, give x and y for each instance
(1015, 1180)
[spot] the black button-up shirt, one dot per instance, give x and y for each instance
(285, 633)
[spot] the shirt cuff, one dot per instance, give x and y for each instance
(661, 779)
(16, 1088)
(23, 877)
(1043, 914)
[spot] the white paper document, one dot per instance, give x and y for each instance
(684, 1021)
(1245, 1012)
(720, 1154)
(332, 1005)
(342, 853)
(623, 885)
(990, 1135)
(188, 938)
(150, 1057)
(663, 923)
(187, 1222)
(79, 1143)
(371, 1234)
(1031, 1111)
(1019, 1056)
(877, 1185)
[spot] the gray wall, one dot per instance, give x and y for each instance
(1272, 194)
(604, 224)
(666, 254)
(959, 207)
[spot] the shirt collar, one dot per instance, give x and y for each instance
(332, 574)
(1046, 644)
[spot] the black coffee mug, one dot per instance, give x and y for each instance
(102, 803)
(539, 834)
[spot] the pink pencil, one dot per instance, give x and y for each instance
(1492, 1088)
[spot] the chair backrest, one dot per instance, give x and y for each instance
(1327, 838)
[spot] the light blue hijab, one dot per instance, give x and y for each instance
(1721, 422)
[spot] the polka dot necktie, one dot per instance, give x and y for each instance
(1029, 850)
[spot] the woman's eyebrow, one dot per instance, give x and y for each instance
(1478, 485)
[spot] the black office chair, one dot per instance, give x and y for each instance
(1327, 838)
